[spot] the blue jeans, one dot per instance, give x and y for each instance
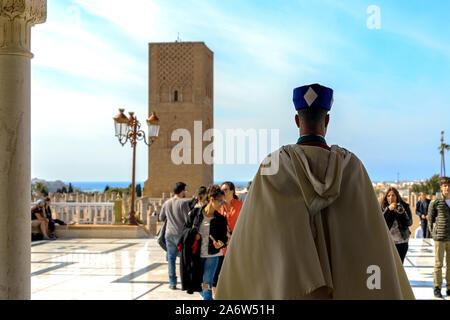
(209, 270)
(172, 252)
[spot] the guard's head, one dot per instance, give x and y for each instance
(312, 103)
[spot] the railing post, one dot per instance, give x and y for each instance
(107, 215)
(118, 210)
(72, 215)
(152, 222)
(94, 215)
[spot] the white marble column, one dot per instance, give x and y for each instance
(16, 19)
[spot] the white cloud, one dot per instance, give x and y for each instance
(146, 21)
(141, 19)
(64, 45)
(422, 39)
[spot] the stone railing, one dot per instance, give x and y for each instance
(92, 210)
(84, 213)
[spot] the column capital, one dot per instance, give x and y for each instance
(16, 19)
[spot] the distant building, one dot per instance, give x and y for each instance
(180, 92)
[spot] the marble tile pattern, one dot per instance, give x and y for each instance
(136, 269)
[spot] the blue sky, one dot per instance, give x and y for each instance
(391, 84)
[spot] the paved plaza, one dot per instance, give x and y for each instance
(136, 269)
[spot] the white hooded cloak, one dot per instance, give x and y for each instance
(312, 230)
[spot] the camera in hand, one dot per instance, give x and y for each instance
(400, 207)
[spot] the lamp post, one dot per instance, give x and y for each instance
(129, 129)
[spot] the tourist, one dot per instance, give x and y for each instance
(51, 221)
(175, 211)
(209, 229)
(398, 218)
(439, 224)
(199, 199)
(422, 211)
(230, 209)
(202, 197)
(310, 227)
(38, 218)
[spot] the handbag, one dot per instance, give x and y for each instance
(161, 236)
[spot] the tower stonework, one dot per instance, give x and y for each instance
(181, 94)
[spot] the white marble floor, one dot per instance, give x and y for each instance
(136, 269)
(419, 266)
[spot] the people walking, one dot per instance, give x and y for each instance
(422, 211)
(230, 209)
(175, 211)
(439, 224)
(205, 232)
(398, 218)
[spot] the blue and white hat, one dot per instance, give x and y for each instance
(313, 96)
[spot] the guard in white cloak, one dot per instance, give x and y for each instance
(313, 228)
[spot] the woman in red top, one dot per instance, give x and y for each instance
(230, 209)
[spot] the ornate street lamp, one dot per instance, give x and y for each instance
(128, 129)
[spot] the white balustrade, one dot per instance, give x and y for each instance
(83, 212)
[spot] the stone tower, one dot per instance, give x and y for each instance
(181, 94)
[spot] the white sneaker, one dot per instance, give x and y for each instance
(47, 238)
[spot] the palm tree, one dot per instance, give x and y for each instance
(443, 147)
(41, 188)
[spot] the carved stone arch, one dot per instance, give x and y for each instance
(175, 93)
